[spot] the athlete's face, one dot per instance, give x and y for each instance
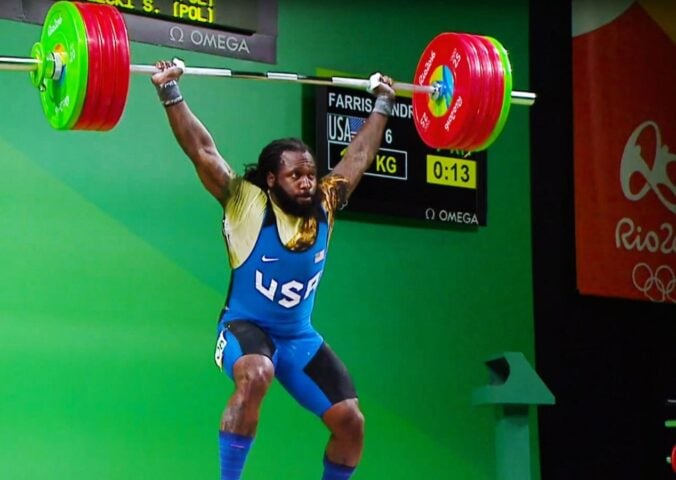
(294, 188)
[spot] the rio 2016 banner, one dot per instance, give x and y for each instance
(624, 89)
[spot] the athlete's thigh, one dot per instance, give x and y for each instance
(237, 338)
(312, 373)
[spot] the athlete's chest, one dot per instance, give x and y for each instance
(281, 275)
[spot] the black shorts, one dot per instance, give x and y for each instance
(305, 365)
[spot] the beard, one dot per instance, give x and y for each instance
(291, 205)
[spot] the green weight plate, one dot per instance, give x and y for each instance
(64, 33)
(507, 98)
(38, 53)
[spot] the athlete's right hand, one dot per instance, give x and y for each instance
(167, 71)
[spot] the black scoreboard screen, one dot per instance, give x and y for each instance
(244, 29)
(407, 178)
(232, 15)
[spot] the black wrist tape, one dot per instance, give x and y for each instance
(169, 93)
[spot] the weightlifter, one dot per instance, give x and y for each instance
(277, 221)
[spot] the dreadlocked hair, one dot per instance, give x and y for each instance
(269, 158)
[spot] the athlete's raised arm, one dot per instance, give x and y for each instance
(362, 150)
(191, 134)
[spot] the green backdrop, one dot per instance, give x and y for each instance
(114, 271)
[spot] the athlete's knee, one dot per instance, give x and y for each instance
(352, 422)
(345, 419)
(253, 378)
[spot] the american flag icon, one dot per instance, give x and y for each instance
(355, 125)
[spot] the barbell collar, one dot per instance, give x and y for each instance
(54, 62)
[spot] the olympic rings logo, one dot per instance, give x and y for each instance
(657, 286)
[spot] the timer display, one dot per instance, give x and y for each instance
(454, 172)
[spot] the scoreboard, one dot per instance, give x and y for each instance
(233, 15)
(407, 179)
(244, 29)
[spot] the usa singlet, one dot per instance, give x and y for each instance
(275, 287)
(274, 280)
(277, 261)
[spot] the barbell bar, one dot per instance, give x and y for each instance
(81, 65)
(26, 64)
(518, 98)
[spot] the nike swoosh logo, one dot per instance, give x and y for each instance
(269, 259)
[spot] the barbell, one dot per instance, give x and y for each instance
(461, 94)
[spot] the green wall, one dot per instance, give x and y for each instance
(114, 271)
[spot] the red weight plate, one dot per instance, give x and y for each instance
(474, 90)
(103, 14)
(95, 73)
(673, 459)
(446, 49)
(482, 127)
(478, 100)
(122, 62)
(496, 93)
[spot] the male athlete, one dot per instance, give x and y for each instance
(277, 222)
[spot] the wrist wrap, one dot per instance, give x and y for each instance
(384, 105)
(169, 93)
